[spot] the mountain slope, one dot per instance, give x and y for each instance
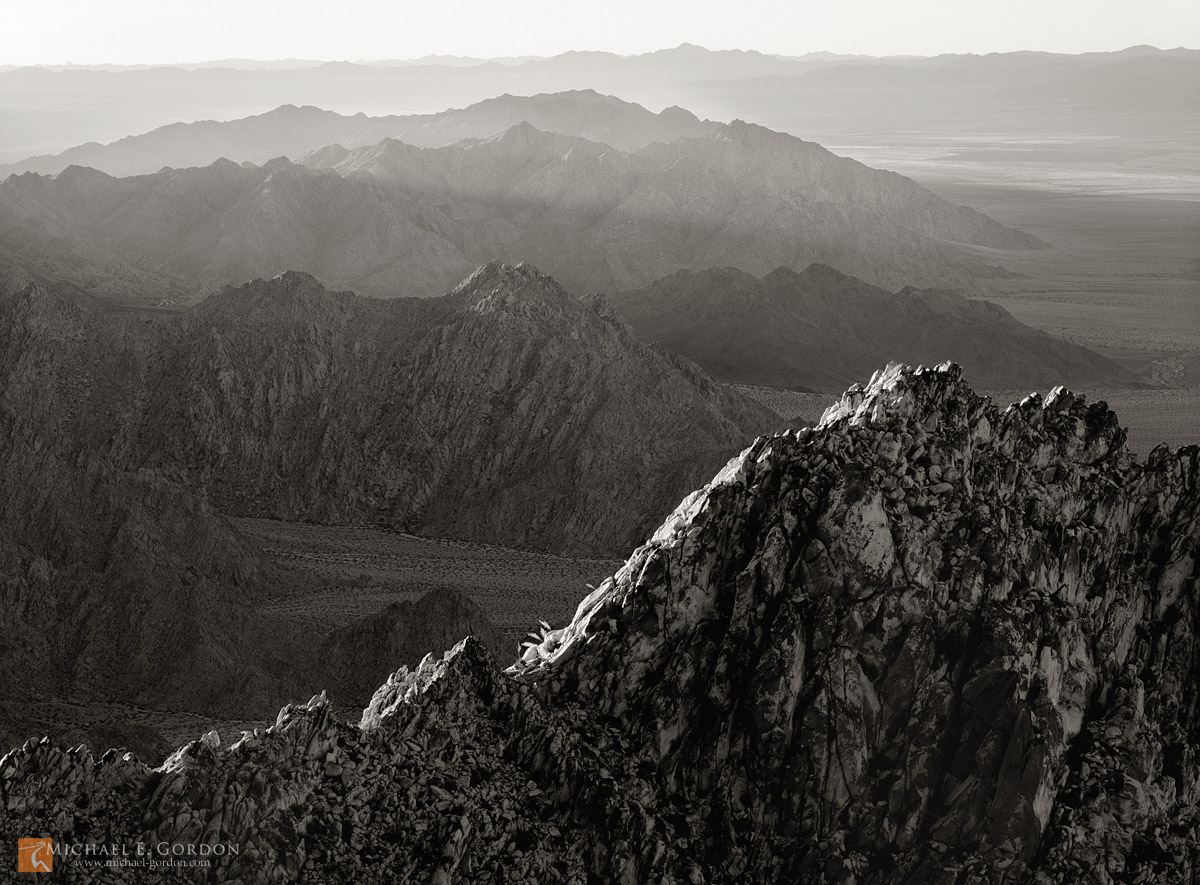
(819, 329)
(291, 131)
(121, 583)
(507, 411)
(925, 641)
(740, 195)
(392, 219)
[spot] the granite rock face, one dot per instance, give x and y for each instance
(929, 640)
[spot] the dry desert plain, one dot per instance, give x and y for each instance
(347, 572)
(1121, 214)
(1116, 280)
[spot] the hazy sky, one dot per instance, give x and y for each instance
(139, 31)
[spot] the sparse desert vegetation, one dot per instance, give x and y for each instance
(798, 409)
(347, 572)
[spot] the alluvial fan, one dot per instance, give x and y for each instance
(929, 640)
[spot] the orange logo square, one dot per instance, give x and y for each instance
(35, 855)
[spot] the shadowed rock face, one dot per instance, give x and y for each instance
(927, 641)
(508, 411)
(821, 329)
(466, 416)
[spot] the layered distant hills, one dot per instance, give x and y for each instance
(821, 329)
(821, 96)
(393, 219)
(293, 132)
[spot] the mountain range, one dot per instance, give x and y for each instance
(48, 111)
(820, 329)
(929, 640)
(126, 437)
(392, 219)
(294, 132)
(458, 416)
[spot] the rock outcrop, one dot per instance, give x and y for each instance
(929, 640)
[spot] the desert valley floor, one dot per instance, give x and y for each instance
(1117, 281)
(1121, 278)
(336, 574)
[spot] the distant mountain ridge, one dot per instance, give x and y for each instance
(296, 131)
(819, 328)
(393, 219)
(44, 113)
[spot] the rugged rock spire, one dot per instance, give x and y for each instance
(925, 641)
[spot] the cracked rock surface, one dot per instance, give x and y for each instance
(929, 640)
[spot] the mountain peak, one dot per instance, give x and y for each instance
(82, 175)
(677, 114)
(292, 296)
(751, 134)
(521, 133)
(500, 286)
(818, 273)
(293, 280)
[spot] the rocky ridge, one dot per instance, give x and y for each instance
(127, 437)
(928, 640)
(463, 416)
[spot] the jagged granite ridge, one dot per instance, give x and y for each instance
(926, 641)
